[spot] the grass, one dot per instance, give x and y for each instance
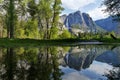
(109, 40)
(5, 42)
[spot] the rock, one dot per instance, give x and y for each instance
(78, 22)
(62, 18)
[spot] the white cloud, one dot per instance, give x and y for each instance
(76, 4)
(98, 13)
(83, 5)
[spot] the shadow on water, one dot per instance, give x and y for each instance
(44, 63)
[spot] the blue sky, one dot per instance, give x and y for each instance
(92, 7)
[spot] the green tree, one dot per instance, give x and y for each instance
(53, 32)
(113, 8)
(43, 18)
(1, 25)
(48, 15)
(45, 12)
(32, 8)
(10, 19)
(65, 34)
(56, 11)
(20, 29)
(31, 29)
(12, 9)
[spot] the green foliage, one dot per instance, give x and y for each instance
(30, 54)
(53, 33)
(41, 23)
(89, 36)
(41, 34)
(65, 34)
(19, 51)
(31, 29)
(4, 33)
(113, 8)
(1, 1)
(32, 8)
(56, 11)
(48, 15)
(19, 30)
(66, 49)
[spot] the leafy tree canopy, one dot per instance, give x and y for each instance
(113, 8)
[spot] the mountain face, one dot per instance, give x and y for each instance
(62, 18)
(108, 24)
(78, 22)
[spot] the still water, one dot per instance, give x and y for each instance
(85, 62)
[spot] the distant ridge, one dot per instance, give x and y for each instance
(108, 23)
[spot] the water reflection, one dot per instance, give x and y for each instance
(79, 58)
(30, 64)
(52, 63)
(82, 57)
(114, 74)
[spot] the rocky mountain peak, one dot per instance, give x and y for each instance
(78, 22)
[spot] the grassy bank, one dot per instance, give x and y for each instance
(5, 42)
(109, 40)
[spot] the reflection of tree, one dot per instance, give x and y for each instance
(10, 65)
(31, 64)
(114, 74)
(56, 71)
(41, 68)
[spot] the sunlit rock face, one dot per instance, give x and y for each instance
(61, 25)
(78, 22)
(62, 18)
(73, 18)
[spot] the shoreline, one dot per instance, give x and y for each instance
(5, 42)
(91, 43)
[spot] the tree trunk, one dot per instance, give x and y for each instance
(10, 25)
(1, 25)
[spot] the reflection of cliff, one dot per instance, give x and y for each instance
(117, 51)
(82, 56)
(79, 58)
(109, 57)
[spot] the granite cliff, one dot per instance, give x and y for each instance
(78, 22)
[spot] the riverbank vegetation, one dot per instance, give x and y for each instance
(6, 42)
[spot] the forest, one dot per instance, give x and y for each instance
(34, 19)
